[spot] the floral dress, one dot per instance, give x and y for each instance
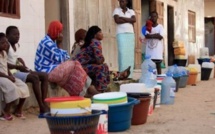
(89, 58)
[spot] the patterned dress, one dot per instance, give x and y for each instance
(89, 58)
(49, 56)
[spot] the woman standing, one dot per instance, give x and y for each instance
(125, 18)
(92, 59)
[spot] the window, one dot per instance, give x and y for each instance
(192, 26)
(10, 8)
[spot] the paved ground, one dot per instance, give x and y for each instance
(192, 113)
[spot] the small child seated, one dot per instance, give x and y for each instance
(11, 87)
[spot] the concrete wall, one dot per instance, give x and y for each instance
(52, 11)
(31, 26)
(72, 24)
(209, 8)
(181, 8)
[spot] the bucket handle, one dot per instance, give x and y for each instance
(135, 102)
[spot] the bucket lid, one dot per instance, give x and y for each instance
(139, 95)
(61, 99)
(99, 106)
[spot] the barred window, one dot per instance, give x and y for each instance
(10, 8)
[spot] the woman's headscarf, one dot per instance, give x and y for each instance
(80, 35)
(55, 28)
(92, 31)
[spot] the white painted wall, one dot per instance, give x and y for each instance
(31, 26)
(181, 8)
(52, 11)
(72, 24)
(209, 8)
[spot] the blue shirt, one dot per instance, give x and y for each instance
(48, 55)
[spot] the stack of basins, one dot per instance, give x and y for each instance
(119, 111)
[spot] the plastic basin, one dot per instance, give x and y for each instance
(119, 116)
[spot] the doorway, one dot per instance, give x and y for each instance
(210, 35)
(170, 34)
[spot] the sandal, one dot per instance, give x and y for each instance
(122, 75)
(21, 116)
(6, 118)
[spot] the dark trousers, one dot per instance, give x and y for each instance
(158, 65)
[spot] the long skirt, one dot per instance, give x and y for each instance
(126, 44)
(99, 75)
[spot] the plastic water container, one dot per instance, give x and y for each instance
(168, 90)
(103, 119)
(149, 73)
(146, 66)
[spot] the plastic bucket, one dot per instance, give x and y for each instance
(177, 79)
(158, 95)
(180, 62)
(119, 116)
(140, 117)
(183, 81)
(200, 61)
(103, 119)
(205, 75)
(192, 79)
(214, 72)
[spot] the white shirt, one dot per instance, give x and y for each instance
(125, 27)
(13, 55)
(154, 47)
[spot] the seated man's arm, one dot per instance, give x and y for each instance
(20, 68)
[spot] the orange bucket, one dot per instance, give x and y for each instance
(192, 79)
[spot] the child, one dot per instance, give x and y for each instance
(11, 87)
(39, 80)
(79, 42)
(147, 28)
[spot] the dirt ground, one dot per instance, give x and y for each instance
(192, 113)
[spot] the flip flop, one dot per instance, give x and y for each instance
(21, 116)
(6, 118)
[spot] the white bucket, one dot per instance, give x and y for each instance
(103, 119)
(158, 96)
(152, 92)
(204, 52)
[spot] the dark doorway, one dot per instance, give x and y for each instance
(170, 34)
(210, 35)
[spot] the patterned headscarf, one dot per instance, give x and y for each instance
(55, 28)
